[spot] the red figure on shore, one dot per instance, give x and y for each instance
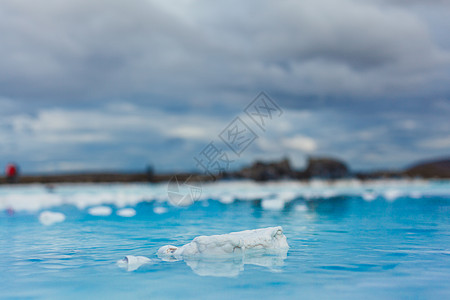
(11, 173)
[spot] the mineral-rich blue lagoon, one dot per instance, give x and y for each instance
(373, 240)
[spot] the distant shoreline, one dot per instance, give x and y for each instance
(320, 168)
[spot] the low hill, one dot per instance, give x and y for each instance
(431, 169)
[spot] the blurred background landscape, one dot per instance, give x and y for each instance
(130, 91)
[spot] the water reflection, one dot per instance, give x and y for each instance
(231, 266)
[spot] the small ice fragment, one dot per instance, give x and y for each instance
(100, 211)
(271, 238)
(415, 195)
(328, 194)
(272, 204)
(160, 210)
(392, 195)
(126, 212)
(369, 196)
(49, 217)
(131, 263)
(226, 199)
(301, 207)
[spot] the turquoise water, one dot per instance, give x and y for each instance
(385, 240)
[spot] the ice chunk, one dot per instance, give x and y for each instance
(271, 238)
(226, 199)
(225, 255)
(50, 217)
(160, 210)
(100, 211)
(126, 212)
(301, 207)
(369, 196)
(415, 195)
(392, 195)
(272, 204)
(131, 263)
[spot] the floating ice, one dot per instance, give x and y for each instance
(301, 207)
(126, 212)
(272, 204)
(392, 195)
(369, 196)
(100, 211)
(50, 217)
(226, 199)
(415, 195)
(132, 263)
(225, 255)
(160, 210)
(271, 238)
(128, 195)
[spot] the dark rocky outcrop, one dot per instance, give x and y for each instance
(263, 171)
(431, 169)
(320, 167)
(325, 167)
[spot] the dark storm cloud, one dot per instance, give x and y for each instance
(349, 63)
(99, 49)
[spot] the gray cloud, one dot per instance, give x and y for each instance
(97, 50)
(374, 74)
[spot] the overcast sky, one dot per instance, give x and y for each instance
(117, 85)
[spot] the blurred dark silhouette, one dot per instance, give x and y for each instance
(326, 167)
(264, 171)
(12, 173)
(150, 172)
(430, 169)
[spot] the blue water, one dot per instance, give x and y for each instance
(341, 246)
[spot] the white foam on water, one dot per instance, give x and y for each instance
(126, 212)
(101, 211)
(49, 217)
(132, 263)
(160, 210)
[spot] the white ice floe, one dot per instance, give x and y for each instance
(160, 210)
(132, 263)
(272, 204)
(36, 198)
(301, 207)
(415, 195)
(271, 238)
(225, 255)
(369, 196)
(392, 195)
(100, 211)
(50, 217)
(226, 199)
(126, 212)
